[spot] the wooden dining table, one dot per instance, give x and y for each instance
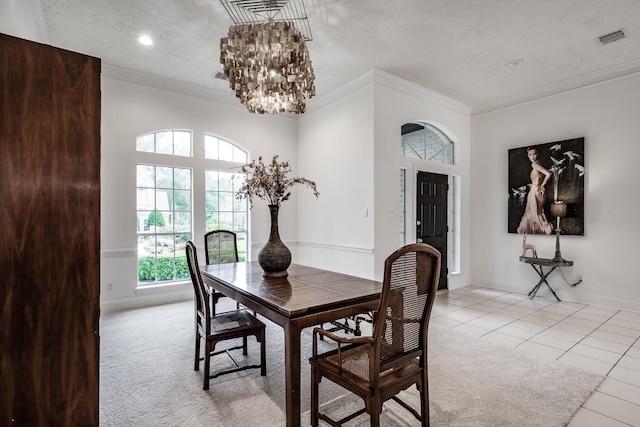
(308, 296)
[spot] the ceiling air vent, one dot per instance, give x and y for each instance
(220, 75)
(611, 37)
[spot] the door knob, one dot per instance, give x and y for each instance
(418, 223)
(419, 240)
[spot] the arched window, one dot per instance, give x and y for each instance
(163, 207)
(172, 141)
(427, 142)
(217, 148)
(222, 210)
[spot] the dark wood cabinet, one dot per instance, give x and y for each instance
(49, 235)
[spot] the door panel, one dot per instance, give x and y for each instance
(431, 216)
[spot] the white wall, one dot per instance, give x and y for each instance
(335, 149)
(607, 115)
(129, 110)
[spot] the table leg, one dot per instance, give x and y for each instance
(547, 283)
(543, 279)
(292, 373)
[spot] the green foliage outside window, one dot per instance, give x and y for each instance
(156, 218)
(165, 269)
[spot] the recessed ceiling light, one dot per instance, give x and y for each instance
(145, 40)
(513, 63)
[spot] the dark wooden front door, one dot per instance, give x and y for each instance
(431, 216)
(50, 235)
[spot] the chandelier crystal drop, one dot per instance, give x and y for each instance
(268, 67)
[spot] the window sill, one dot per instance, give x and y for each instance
(161, 288)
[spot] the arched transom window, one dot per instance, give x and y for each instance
(426, 142)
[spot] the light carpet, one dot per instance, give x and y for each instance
(147, 379)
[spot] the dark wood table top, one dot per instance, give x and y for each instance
(305, 291)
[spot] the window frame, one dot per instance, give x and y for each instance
(238, 206)
(175, 237)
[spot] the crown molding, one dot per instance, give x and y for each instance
(408, 88)
(346, 89)
(118, 73)
(579, 82)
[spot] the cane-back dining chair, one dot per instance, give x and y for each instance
(225, 326)
(394, 357)
(220, 247)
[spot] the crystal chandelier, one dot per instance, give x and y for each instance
(268, 67)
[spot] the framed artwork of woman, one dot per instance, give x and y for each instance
(540, 174)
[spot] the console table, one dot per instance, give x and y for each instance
(537, 264)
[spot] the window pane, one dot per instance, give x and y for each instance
(426, 142)
(163, 221)
(145, 176)
(164, 142)
(182, 269)
(170, 142)
(210, 147)
(226, 202)
(240, 221)
(239, 205)
(212, 221)
(182, 201)
(218, 149)
(225, 181)
(238, 181)
(145, 199)
(211, 180)
(145, 143)
(241, 239)
(162, 200)
(164, 244)
(183, 222)
(182, 178)
(211, 201)
(225, 151)
(225, 220)
(166, 269)
(182, 143)
(239, 156)
(164, 177)
(146, 259)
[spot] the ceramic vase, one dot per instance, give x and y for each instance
(274, 258)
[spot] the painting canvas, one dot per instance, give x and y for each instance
(541, 174)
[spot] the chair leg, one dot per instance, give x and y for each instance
(376, 409)
(314, 397)
(196, 362)
(424, 400)
(207, 366)
(244, 346)
(263, 354)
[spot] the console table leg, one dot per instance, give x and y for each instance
(543, 279)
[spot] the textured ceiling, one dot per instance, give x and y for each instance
(456, 47)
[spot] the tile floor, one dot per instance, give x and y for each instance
(603, 340)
